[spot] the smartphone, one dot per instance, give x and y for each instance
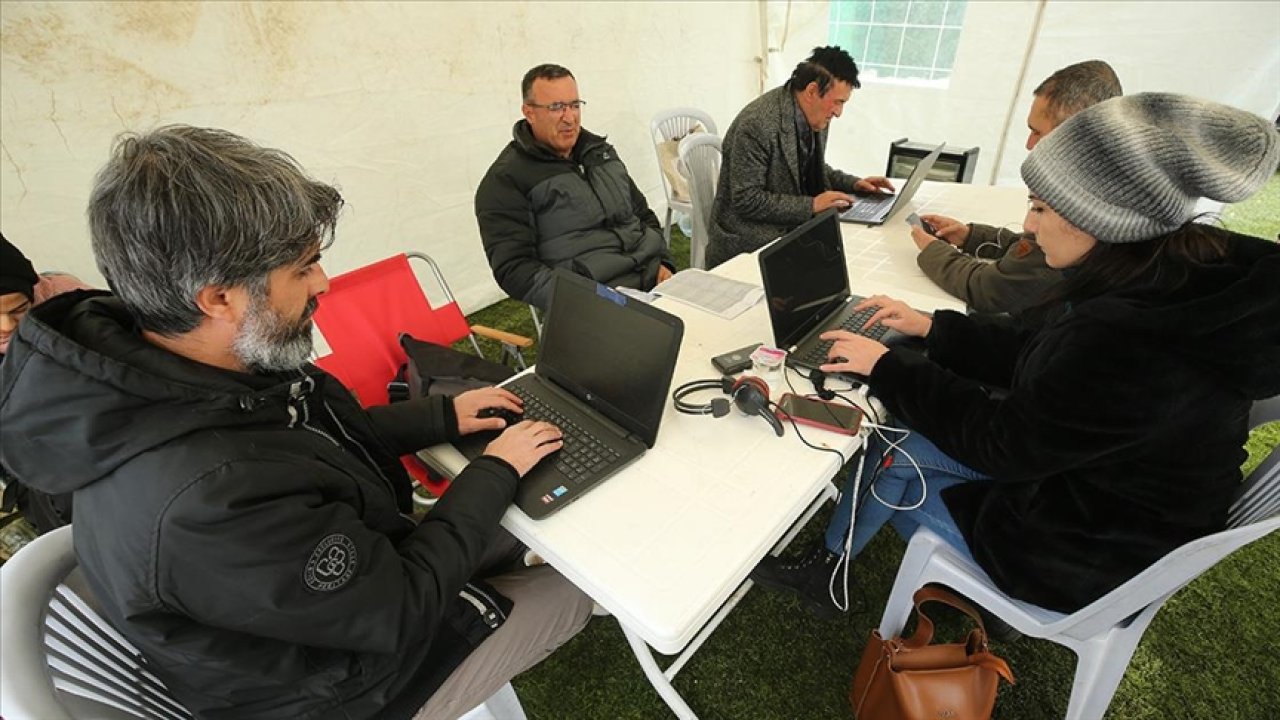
(736, 361)
(916, 220)
(837, 417)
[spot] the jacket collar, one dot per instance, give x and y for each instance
(785, 104)
(522, 136)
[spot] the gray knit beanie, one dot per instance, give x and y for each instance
(1132, 168)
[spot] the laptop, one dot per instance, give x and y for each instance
(806, 287)
(603, 373)
(875, 208)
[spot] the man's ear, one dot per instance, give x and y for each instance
(527, 111)
(220, 303)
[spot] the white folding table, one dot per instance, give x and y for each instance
(667, 544)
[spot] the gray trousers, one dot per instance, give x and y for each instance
(548, 611)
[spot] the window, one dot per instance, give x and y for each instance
(900, 39)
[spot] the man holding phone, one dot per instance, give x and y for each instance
(997, 270)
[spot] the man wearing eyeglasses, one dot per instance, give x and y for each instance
(559, 196)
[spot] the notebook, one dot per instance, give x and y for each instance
(806, 287)
(875, 208)
(603, 373)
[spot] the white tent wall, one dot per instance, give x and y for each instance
(403, 105)
(1223, 51)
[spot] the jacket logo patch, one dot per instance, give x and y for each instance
(332, 563)
(1022, 249)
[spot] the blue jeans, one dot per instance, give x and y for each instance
(898, 484)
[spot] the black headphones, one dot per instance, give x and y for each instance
(749, 394)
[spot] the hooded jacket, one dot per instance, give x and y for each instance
(248, 532)
(1121, 437)
(538, 211)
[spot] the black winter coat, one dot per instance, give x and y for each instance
(1121, 436)
(247, 532)
(538, 211)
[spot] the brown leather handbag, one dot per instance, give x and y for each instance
(909, 679)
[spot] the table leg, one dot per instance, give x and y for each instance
(657, 678)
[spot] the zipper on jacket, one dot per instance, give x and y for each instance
(490, 613)
(298, 402)
(368, 458)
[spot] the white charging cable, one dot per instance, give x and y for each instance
(999, 251)
(841, 568)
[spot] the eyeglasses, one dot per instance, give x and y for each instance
(559, 107)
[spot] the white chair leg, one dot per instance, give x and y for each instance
(1100, 667)
(899, 606)
(666, 228)
(505, 705)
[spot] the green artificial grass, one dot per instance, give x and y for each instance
(1208, 654)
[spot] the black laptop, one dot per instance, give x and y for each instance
(604, 370)
(806, 286)
(875, 208)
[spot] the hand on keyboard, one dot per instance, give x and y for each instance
(478, 410)
(524, 445)
(895, 314)
(851, 353)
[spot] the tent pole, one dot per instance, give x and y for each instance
(1013, 104)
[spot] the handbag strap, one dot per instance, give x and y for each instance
(984, 658)
(924, 626)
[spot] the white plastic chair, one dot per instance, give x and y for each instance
(59, 660)
(1104, 634)
(699, 162)
(673, 124)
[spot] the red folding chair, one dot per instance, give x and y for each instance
(362, 316)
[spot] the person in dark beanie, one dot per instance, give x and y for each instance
(17, 282)
(1161, 337)
(21, 289)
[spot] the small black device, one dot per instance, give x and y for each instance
(844, 419)
(736, 361)
(916, 220)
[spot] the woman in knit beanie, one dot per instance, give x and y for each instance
(1116, 435)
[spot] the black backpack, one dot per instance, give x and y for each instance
(440, 370)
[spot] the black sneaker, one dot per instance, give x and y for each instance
(808, 577)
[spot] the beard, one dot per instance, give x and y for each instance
(269, 342)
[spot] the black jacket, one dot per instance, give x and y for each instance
(538, 211)
(247, 532)
(1121, 436)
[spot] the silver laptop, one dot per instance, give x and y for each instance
(603, 374)
(875, 208)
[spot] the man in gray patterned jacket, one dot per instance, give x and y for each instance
(559, 196)
(773, 176)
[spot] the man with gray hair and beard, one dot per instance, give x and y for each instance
(238, 516)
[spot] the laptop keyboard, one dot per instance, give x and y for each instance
(817, 355)
(866, 209)
(582, 456)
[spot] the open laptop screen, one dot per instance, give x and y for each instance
(612, 352)
(805, 277)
